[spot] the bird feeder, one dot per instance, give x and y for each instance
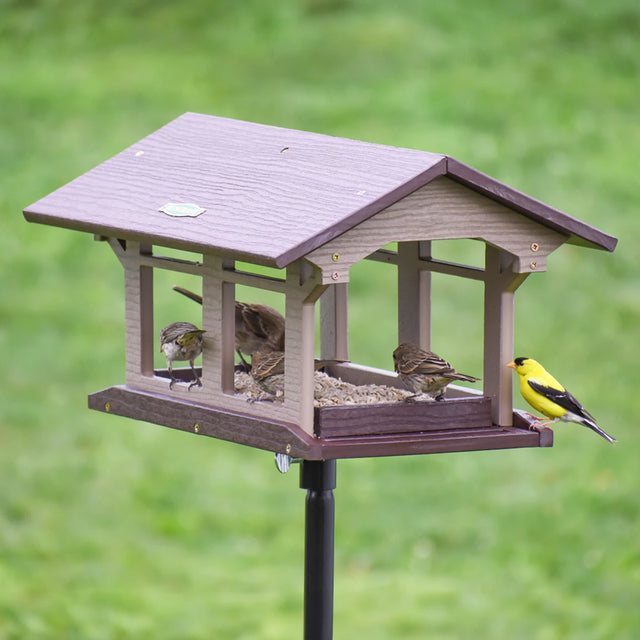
(312, 206)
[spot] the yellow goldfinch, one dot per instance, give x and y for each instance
(546, 395)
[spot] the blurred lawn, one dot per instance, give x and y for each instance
(114, 529)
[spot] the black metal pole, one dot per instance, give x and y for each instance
(318, 477)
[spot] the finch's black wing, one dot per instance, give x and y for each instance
(561, 397)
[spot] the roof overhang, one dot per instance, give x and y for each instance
(271, 195)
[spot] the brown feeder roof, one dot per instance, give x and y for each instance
(271, 195)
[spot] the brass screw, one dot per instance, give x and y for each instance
(196, 427)
(534, 246)
(534, 266)
(335, 275)
(107, 406)
(335, 257)
(287, 449)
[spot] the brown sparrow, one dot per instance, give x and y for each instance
(258, 326)
(267, 369)
(181, 341)
(424, 372)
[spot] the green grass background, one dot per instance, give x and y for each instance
(115, 529)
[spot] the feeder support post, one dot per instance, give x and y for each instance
(500, 285)
(318, 477)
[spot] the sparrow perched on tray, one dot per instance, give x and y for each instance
(181, 341)
(258, 326)
(424, 372)
(267, 369)
(546, 395)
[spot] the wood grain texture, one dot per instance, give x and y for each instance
(499, 313)
(218, 320)
(217, 423)
(449, 441)
(283, 437)
(173, 264)
(334, 323)
(454, 269)
(430, 264)
(269, 283)
(441, 210)
(138, 293)
(302, 293)
(218, 354)
(414, 294)
(271, 195)
(268, 192)
(580, 232)
(402, 417)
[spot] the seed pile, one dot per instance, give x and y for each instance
(328, 391)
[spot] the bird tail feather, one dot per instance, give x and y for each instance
(465, 378)
(598, 430)
(189, 294)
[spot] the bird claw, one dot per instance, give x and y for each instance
(262, 398)
(419, 397)
(195, 383)
(271, 398)
(539, 426)
(244, 367)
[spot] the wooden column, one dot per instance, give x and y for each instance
(218, 319)
(334, 323)
(138, 293)
(414, 294)
(302, 292)
(499, 289)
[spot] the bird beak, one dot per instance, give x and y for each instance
(512, 365)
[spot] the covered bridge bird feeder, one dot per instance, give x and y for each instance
(313, 206)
